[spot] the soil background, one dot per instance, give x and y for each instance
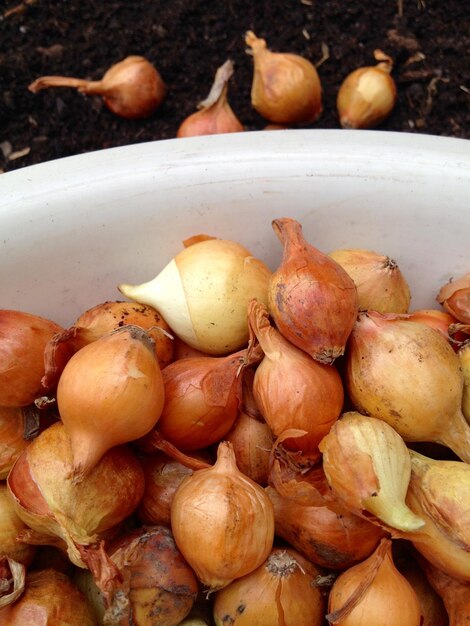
(187, 40)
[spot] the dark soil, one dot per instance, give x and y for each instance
(188, 39)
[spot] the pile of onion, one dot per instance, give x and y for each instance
(240, 445)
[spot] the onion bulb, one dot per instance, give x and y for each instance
(292, 390)
(222, 522)
(455, 298)
(464, 357)
(23, 338)
(434, 318)
(215, 116)
(50, 598)
(335, 539)
(374, 592)
(10, 526)
(454, 593)
(202, 397)
(132, 88)
(367, 96)
(368, 467)
(110, 392)
(282, 590)
(252, 440)
(203, 294)
(408, 375)
(379, 281)
(286, 88)
(50, 502)
(312, 299)
(158, 587)
(101, 320)
(12, 441)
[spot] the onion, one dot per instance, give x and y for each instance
(215, 116)
(252, 440)
(101, 320)
(374, 592)
(379, 282)
(222, 522)
(12, 441)
(132, 88)
(10, 526)
(282, 590)
(49, 598)
(23, 338)
(454, 593)
(48, 500)
(110, 392)
(158, 586)
(163, 476)
(286, 87)
(202, 397)
(464, 357)
(203, 294)
(312, 299)
(434, 318)
(367, 96)
(335, 539)
(432, 607)
(408, 375)
(455, 298)
(292, 390)
(368, 467)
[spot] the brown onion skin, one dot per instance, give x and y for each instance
(12, 442)
(102, 319)
(215, 120)
(281, 591)
(23, 338)
(311, 298)
(328, 538)
(252, 441)
(163, 476)
(10, 526)
(160, 585)
(49, 599)
(201, 400)
(432, 607)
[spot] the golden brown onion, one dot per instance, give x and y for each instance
(12, 441)
(282, 590)
(312, 299)
(110, 392)
(455, 298)
(222, 521)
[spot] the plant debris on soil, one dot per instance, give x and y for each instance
(188, 40)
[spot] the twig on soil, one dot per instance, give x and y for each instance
(325, 54)
(19, 8)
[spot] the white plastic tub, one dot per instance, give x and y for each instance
(72, 229)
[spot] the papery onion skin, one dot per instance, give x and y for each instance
(312, 299)
(434, 318)
(454, 593)
(202, 397)
(281, 591)
(49, 501)
(222, 522)
(332, 539)
(215, 116)
(368, 468)
(12, 442)
(23, 338)
(455, 298)
(203, 294)
(159, 587)
(49, 599)
(252, 440)
(408, 375)
(464, 357)
(111, 392)
(380, 283)
(383, 596)
(10, 526)
(432, 607)
(163, 476)
(286, 88)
